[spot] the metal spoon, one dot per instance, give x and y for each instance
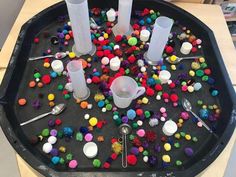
(58, 55)
(188, 107)
(55, 111)
(124, 130)
(179, 59)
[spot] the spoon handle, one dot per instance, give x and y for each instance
(42, 57)
(124, 152)
(36, 118)
(203, 123)
(186, 58)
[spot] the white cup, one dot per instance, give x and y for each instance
(115, 64)
(124, 90)
(57, 66)
(186, 48)
(111, 15)
(169, 128)
(144, 35)
(164, 76)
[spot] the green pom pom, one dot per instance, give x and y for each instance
(96, 163)
(45, 132)
(132, 41)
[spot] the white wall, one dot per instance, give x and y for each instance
(9, 10)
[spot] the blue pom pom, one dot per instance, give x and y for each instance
(149, 20)
(55, 160)
(131, 114)
(204, 113)
(101, 103)
(83, 130)
(68, 131)
(53, 74)
(151, 81)
(141, 22)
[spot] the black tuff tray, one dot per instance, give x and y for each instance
(20, 71)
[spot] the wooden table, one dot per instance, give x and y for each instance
(209, 14)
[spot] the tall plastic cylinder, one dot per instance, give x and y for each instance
(123, 26)
(79, 18)
(76, 73)
(160, 34)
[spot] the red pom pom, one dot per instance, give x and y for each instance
(118, 52)
(114, 156)
(106, 52)
(150, 136)
(108, 24)
(95, 79)
(99, 48)
(132, 59)
(194, 43)
(105, 70)
(46, 60)
(163, 138)
(113, 140)
(136, 142)
(194, 49)
(122, 71)
(110, 56)
(165, 95)
(169, 49)
(58, 122)
(106, 165)
(207, 71)
(134, 69)
(174, 97)
(136, 26)
(158, 87)
(108, 30)
(150, 91)
(65, 92)
(100, 53)
(172, 85)
(131, 159)
(139, 112)
(36, 40)
(118, 38)
(46, 79)
(145, 12)
(100, 124)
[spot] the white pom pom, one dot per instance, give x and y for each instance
(47, 147)
(52, 139)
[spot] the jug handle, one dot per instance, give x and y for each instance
(140, 91)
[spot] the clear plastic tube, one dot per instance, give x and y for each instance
(160, 34)
(76, 73)
(124, 15)
(79, 18)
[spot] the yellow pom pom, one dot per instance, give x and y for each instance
(46, 65)
(167, 146)
(173, 58)
(154, 76)
(173, 67)
(177, 136)
(191, 73)
(166, 158)
(72, 55)
(145, 100)
(51, 97)
(93, 121)
(201, 60)
(181, 121)
(188, 137)
(105, 35)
